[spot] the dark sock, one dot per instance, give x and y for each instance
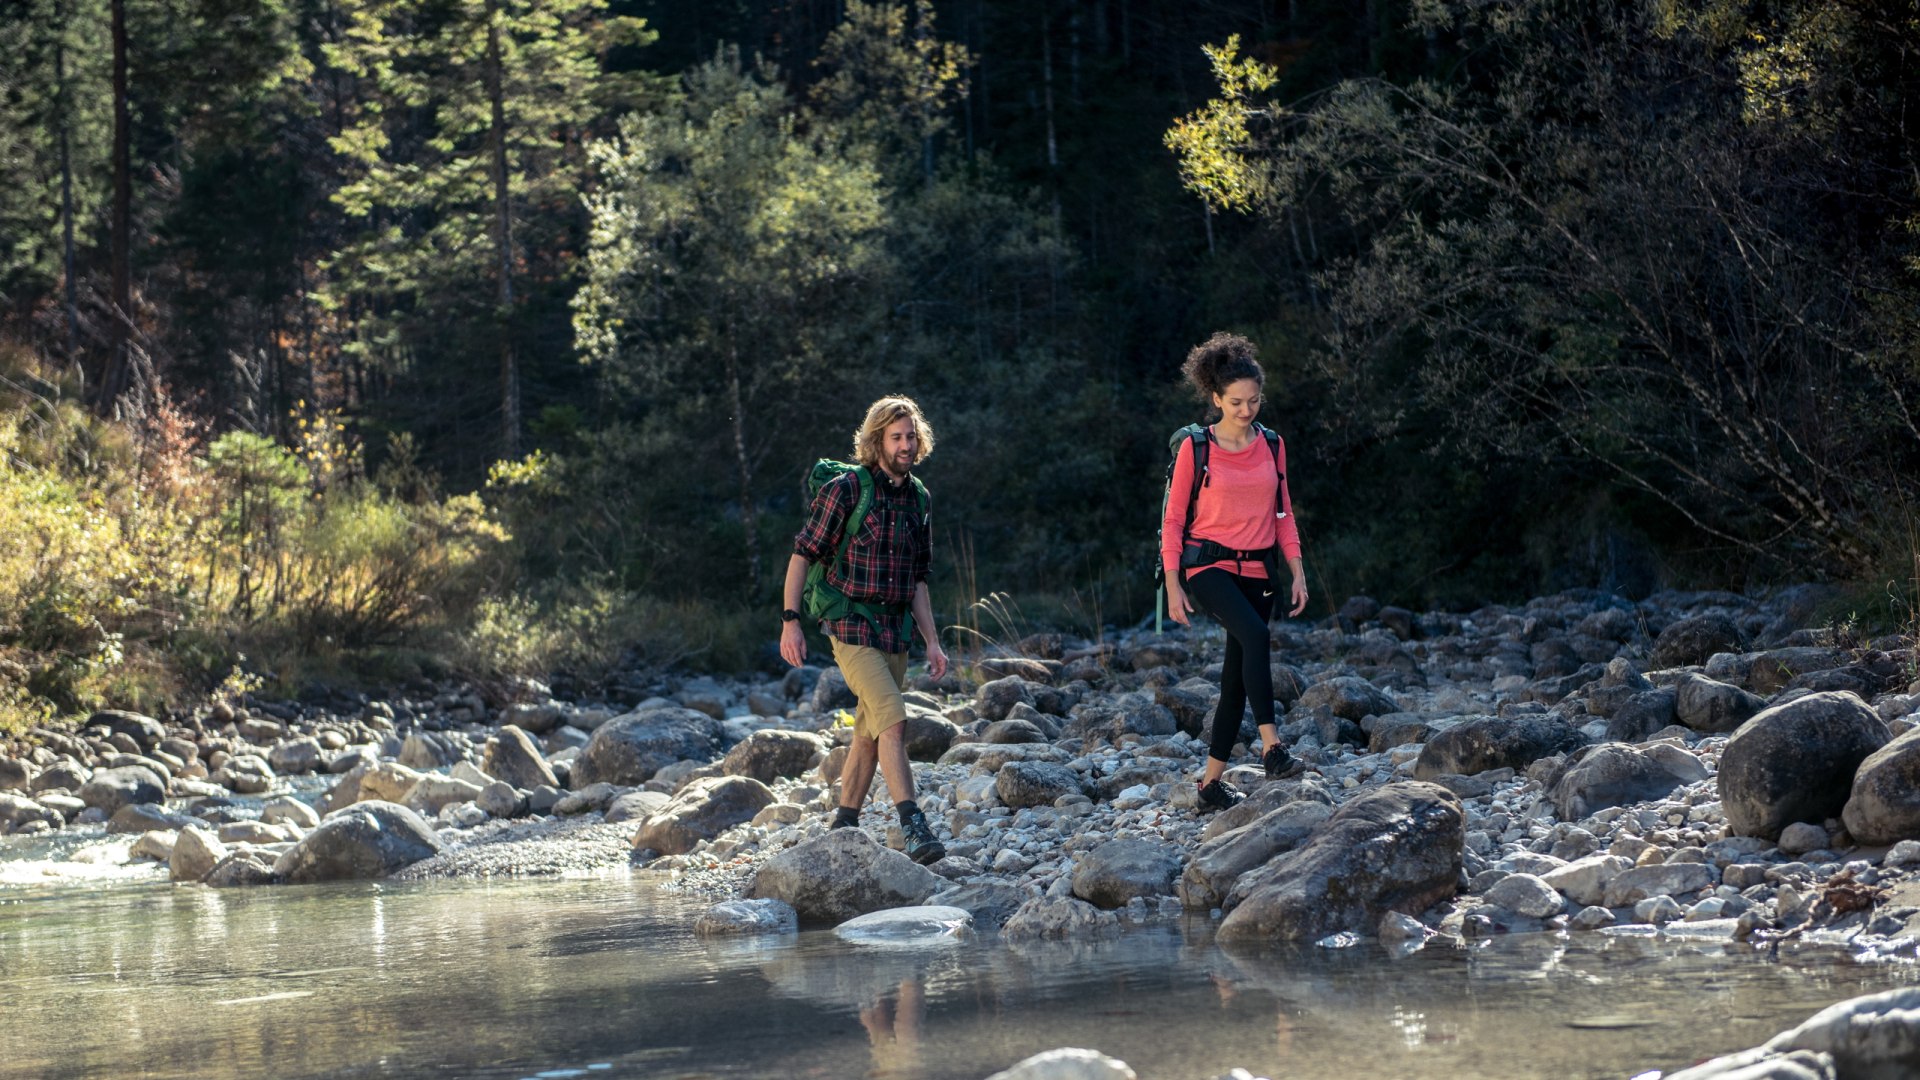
(907, 810)
(846, 815)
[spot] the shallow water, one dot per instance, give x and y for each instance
(599, 978)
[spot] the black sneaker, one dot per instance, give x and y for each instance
(921, 846)
(1279, 764)
(1220, 795)
(844, 820)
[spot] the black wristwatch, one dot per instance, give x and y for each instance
(789, 615)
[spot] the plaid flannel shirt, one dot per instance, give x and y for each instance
(892, 554)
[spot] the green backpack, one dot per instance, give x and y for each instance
(820, 598)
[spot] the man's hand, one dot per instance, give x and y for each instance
(793, 643)
(936, 661)
(1299, 595)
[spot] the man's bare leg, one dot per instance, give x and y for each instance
(856, 773)
(893, 764)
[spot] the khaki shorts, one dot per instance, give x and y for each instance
(876, 679)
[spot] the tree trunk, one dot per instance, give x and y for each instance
(748, 519)
(503, 243)
(64, 106)
(113, 381)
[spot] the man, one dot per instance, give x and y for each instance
(882, 577)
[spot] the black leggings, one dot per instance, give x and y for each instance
(1242, 605)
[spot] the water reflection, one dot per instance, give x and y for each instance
(510, 980)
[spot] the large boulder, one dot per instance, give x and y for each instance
(628, 750)
(1220, 861)
(701, 811)
(768, 755)
(144, 730)
(366, 840)
(1495, 742)
(928, 734)
(513, 757)
(1398, 848)
(1796, 762)
(15, 774)
(16, 811)
(997, 698)
(844, 873)
(1692, 641)
(1348, 697)
(111, 789)
(1613, 774)
(1705, 705)
(1884, 805)
(1119, 870)
(1035, 783)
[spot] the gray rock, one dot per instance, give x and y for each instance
(1398, 847)
(296, 757)
(735, 918)
(366, 840)
(1220, 861)
(247, 774)
(1641, 715)
(144, 730)
(768, 755)
(254, 832)
(1883, 806)
(1661, 879)
(1705, 705)
(1061, 918)
(1527, 895)
(637, 806)
(1348, 697)
(1692, 641)
(145, 817)
(1584, 881)
(830, 692)
(995, 699)
(628, 750)
(195, 853)
(433, 792)
(63, 774)
(512, 757)
(288, 810)
(16, 775)
(17, 813)
(1873, 1036)
(423, 751)
(156, 845)
(1495, 742)
(1009, 732)
(1796, 762)
(1802, 837)
(701, 811)
(502, 800)
(534, 719)
(1772, 670)
(111, 789)
(1119, 870)
(247, 866)
(833, 877)
(1614, 774)
(991, 901)
(1035, 783)
(928, 734)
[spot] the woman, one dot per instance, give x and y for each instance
(1219, 548)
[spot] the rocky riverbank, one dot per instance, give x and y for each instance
(1575, 763)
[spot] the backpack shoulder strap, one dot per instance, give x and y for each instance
(920, 496)
(858, 515)
(1273, 447)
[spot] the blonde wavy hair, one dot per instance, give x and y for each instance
(880, 416)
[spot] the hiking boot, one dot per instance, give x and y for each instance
(921, 846)
(1279, 764)
(1219, 795)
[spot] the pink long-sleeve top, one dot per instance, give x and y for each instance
(1244, 506)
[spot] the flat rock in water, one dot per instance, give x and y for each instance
(990, 900)
(1065, 918)
(1068, 1063)
(920, 925)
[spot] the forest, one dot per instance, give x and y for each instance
(377, 340)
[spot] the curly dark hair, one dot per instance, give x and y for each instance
(1219, 362)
